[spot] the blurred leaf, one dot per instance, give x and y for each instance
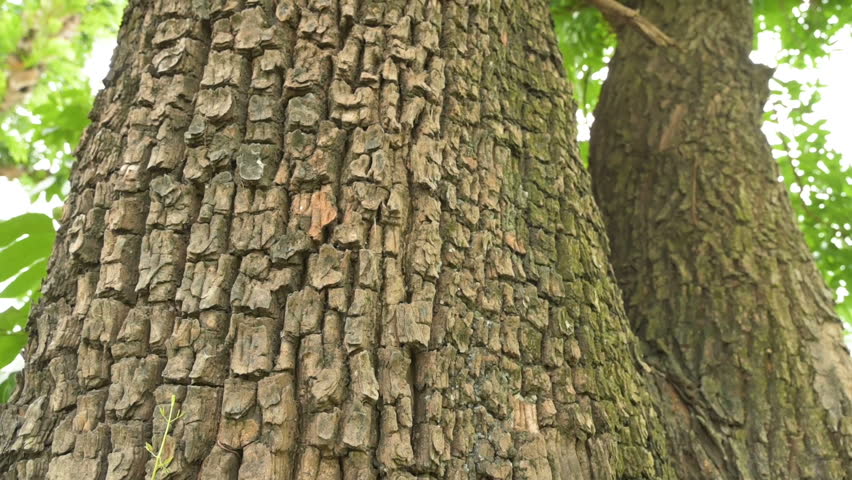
(26, 282)
(26, 242)
(584, 151)
(844, 310)
(585, 39)
(14, 317)
(22, 254)
(11, 345)
(33, 224)
(7, 387)
(38, 136)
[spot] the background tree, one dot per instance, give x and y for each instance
(718, 283)
(816, 176)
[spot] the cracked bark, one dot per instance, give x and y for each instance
(353, 238)
(752, 378)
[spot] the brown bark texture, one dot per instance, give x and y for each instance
(753, 381)
(353, 238)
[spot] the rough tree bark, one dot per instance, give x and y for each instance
(353, 238)
(718, 282)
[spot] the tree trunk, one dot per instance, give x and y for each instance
(353, 239)
(718, 283)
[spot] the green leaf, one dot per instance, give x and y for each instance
(584, 152)
(26, 242)
(34, 224)
(22, 254)
(14, 317)
(11, 345)
(844, 310)
(27, 282)
(7, 387)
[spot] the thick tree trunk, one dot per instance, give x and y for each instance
(352, 238)
(717, 280)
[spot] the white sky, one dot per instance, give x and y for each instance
(834, 73)
(835, 106)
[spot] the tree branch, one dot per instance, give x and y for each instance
(12, 171)
(617, 15)
(21, 81)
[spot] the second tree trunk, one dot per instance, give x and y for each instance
(753, 380)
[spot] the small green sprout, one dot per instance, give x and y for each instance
(161, 464)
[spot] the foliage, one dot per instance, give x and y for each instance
(586, 42)
(53, 37)
(806, 30)
(820, 185)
